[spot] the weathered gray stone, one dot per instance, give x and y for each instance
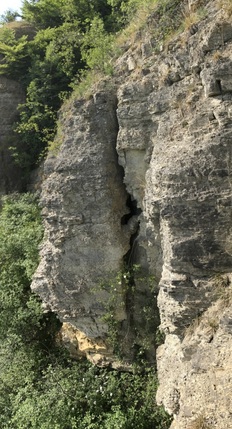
(172, 128)
(187, 208)
(84, 200)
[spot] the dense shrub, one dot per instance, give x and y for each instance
(64, 39)
(40, 386)
(69, 37)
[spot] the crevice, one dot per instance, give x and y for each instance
(131, 225)
(136, 334)
(131, 221)
(219, 87)
(130, 257)
(218, 83)
(133, 211)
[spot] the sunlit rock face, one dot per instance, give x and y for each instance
(144, 177)
(84, 200)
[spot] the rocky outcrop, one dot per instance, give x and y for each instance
(169, 118)
(84, 201)
(11, 95)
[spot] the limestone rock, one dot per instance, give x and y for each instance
(83, 202)
(172, 128)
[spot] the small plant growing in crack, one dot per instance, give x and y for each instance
(200, 423)
(130, 316)
(192, 16)
(213, 324)
(190, 330)
(159, 337)
(222, 289)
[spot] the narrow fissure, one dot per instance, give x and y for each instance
(131, 220)
(136, 335)
(219, 87)
(134, 210)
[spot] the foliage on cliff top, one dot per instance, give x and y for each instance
(40, 387)
(70, 37)
(47, 63)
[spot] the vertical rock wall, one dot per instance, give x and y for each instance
(170, 122)
(84, 200)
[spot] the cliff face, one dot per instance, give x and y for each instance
(85, 200)
(144, 176)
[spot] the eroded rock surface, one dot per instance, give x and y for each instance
(84, 200)
(170, 119)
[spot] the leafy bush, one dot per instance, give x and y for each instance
(14, 52)
(9, 16)
(82, 396)
(97, 46)
(65, 38)
(40, 386)
(20, 233)
(70, 37)
(22, 323)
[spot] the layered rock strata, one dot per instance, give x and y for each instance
(170, 119)
(84, 200)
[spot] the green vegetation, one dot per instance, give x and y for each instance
(69, 38)
(64, 40)
(20, 232)
(49, 52)
(9, 16)
(40, 386)
(130, 312)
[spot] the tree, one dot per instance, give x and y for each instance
(97, 46)
(15, 58)
(72, 36)
(20, 234)
(9, 16)
(43, 13)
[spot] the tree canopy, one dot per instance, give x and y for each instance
(70, 36)
(65, 39)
